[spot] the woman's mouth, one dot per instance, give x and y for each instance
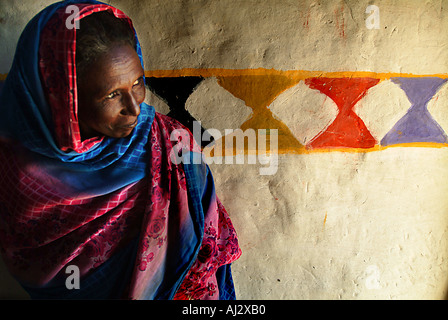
(130, 125)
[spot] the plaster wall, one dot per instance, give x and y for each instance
(363, 221)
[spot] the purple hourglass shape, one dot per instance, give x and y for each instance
(417, 125)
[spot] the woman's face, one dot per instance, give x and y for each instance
(110, 94)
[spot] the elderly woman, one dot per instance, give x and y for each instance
(88, 183)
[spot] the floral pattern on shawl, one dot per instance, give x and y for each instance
(219, 247)
(169, 197)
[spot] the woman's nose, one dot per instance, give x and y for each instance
(130, 106)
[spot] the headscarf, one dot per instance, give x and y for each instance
(66, 202)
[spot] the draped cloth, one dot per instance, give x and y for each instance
(121, 208)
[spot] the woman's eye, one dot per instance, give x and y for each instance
(111, 95)
(138, 81)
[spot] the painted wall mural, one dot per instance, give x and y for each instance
(417, 125)
(258, 88)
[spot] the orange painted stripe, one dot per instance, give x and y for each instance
(282, 149)
(298, 74)
(294, 74)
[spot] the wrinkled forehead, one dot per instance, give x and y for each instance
(119, 68)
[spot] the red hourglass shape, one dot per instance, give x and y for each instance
(347, 130)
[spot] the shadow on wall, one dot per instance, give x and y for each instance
(10, 288)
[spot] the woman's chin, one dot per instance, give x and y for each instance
(122, 133)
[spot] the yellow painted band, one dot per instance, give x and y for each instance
(298, 74)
